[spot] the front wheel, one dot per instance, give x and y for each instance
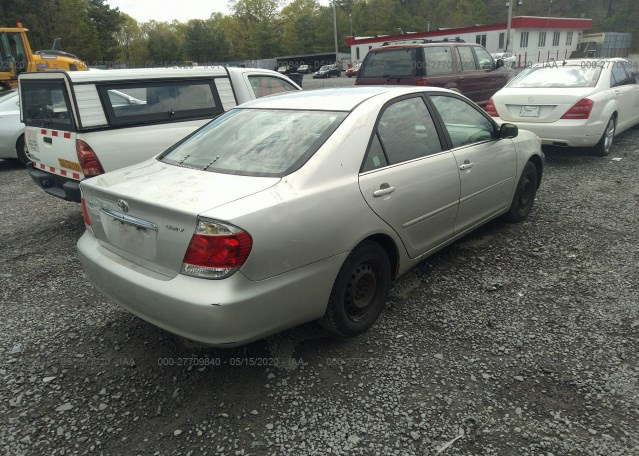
(603, 147)
(21, 151)
(359, 292)
(525, 193)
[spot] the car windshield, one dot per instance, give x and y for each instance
(256, 142)
(325, 68)
(557, 76)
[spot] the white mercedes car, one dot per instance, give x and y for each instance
(573, 103)
(11, 129)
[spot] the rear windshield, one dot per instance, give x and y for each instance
(256, 142)
(396, 63)
(557, 76)
(143, 102)
(45, 104)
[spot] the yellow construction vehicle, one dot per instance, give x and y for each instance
(16, 57)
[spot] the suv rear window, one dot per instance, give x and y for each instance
(154, 102)
(396, 63)
(45, 104)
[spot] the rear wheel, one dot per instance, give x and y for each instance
(525, 193)
(603, 147)
(359, 292)
(21, 151)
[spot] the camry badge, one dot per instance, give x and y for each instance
(123, 205)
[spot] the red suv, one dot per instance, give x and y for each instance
(465, 67)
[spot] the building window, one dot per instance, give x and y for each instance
(357, 53)
(568, 38)
(555, 38)
(481, 39)
(502, 39)
(523, 42)
(542, 39)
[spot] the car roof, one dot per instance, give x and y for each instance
(143, 73)
(338, 99)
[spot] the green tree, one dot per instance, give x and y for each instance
(131, 42)
(106, 22)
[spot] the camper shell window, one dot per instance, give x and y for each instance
(46, 105)
(144, 102)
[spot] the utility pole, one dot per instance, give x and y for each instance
(335, 32)
(510, 19)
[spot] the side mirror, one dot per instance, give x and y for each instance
(508, 130)
(499, 63)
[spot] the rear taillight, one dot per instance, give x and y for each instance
(89, 162)
(216, 250)
(581, 110)
(490, 109)
(85, 215)
(422, 82)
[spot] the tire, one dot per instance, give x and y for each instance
(603, 147)
(525, 193)
(360, 291)
(21, 151)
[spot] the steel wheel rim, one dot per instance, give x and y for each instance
(610, 133)
(525, 191)
(361, 291)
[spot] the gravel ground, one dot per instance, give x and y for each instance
(517, 340)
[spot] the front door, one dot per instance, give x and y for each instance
(408, 179)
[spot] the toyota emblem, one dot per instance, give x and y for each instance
(123, 205)
(531, 99)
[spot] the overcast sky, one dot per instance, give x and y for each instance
(182, 10)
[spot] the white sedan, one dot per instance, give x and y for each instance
(574, 103)
(11, 129)
(506, 57)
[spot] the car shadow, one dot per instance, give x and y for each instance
(7, 164)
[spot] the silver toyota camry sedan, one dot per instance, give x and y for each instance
(301, 207)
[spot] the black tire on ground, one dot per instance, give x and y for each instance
(360, 291)
(603, 147)
(21, 151)
(525, 193)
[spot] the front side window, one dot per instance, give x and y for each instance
(484, 59)
(465, 124)
(45, 105)
(406, 131)
(256, 142)
(268, 85)
(466, 58)
(159, 101)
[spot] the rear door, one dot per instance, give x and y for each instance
(408, 179)
(50, 121)
(487, 165)
(626, 92)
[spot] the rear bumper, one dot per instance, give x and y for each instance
(228, 312)
(62, 187)
(568, 133)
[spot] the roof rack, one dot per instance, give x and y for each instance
(422, 41)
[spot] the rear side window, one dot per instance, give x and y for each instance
(268, 85)
(144, 102)
(45, 104)
(439, 60)
(397, 63)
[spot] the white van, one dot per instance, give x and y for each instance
(85, 123)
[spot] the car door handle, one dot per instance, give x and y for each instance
(617, 92)
(466, 165)
(384, 189)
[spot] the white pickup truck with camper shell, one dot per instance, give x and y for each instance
(83, 124)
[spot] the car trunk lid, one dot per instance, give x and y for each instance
(147, 213)
(537, 105)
